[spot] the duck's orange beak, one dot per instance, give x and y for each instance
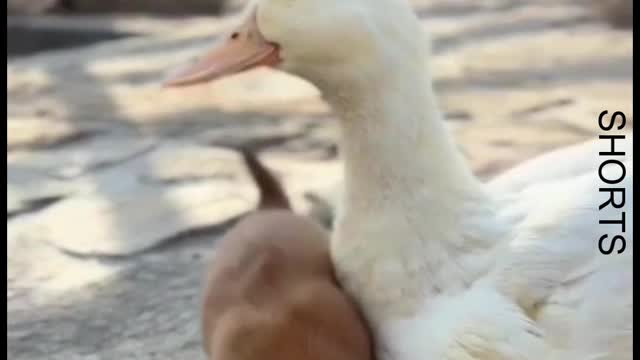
(244, 49)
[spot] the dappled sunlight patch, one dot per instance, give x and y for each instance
(27, 81)
(45, 271)
(41, 133)
(127, 223)
(257, 90)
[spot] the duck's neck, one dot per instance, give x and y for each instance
(397, 147)
(413, 214)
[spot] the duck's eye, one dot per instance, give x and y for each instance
(235, 35)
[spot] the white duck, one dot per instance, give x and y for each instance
(445, 267)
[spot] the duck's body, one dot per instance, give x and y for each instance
(449, 268)
(541, 290)
(455, 269)
(443, 266)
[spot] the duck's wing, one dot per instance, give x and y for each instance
(557, 226)
(554, 268)
(598, 310)
(559, 164)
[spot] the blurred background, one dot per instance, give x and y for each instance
(117, 188)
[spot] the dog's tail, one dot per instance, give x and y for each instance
(272, 194)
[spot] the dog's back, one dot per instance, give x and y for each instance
(272, 292)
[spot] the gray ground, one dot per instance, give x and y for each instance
(117, 189)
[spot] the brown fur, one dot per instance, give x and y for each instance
(272, 293)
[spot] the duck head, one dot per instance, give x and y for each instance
(323, 41)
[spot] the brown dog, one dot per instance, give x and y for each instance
(272, 293)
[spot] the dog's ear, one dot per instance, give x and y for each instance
(272, 195)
